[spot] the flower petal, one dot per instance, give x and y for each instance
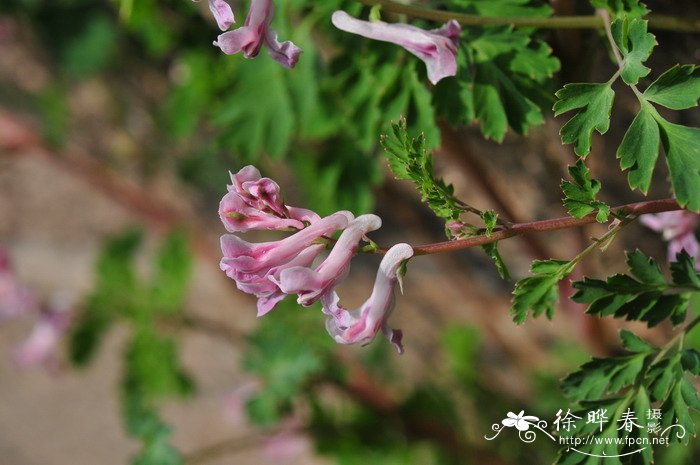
(436, 48)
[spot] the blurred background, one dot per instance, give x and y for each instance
(119, 123)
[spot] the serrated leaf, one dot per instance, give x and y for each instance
(649, 298)
(640, 149)
(410, 160)
(635, 45)
(602, 376)
(634, 343)
(645, 269)
(500, 104)
(682, 147)
(538, 293)
(490, 219)
(595, 102)
(677, 89)
(492, 251)
(683, 271)
(580, 195)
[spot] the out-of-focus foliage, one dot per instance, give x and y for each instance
(151, 367)
(504, 73)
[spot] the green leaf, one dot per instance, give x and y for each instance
(683, 271)
(93, 49)
(263, 116)
(677, 89)
(580, 195)
(640, 149)
(501, 81)
(622, 8)
(682, 147)
(410, 159)
(595, 102)
(649, 297)
(173, 266)
(502, 8)
(87, 332)
(645, 269)
(538, 293)
(602, 376)
(492, 251)
(490, 219)
(635, 45)
(634, 343)
(152, 366)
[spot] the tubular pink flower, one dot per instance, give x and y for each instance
(222, 13)
(254, 33)
(254, 202)
(362, 324)
(310, 284)
(238, 216)
(256, 268)
(678, 228)
(437, 47)
(246, 257)
(15, 299)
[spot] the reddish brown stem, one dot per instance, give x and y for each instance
(639, 208)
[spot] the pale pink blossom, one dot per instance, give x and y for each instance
(15, 298)
(257, 267)
(311, 284)
(362, 324)
(254, 202)
(222, 13)
(436, 47)
(49, 330)
(234, 404)
(255, 33)
(287, 445)
(678, 228)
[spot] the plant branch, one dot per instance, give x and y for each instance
(639, 208)
(554, 22)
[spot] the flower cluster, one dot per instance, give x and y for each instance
(436, 47)
(678, 228)
(255, 33)
(272, 270)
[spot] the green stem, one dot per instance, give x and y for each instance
(554, 22)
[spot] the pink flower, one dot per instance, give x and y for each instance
(310, 284)
(255, 32)
(222, 13)
(437, 47)
(678, 228)
(15, 298)
(40, 346)
(362, 324)
(257, 267)
(254, 202)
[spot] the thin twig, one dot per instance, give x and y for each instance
(639, 208)
(553, 22)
